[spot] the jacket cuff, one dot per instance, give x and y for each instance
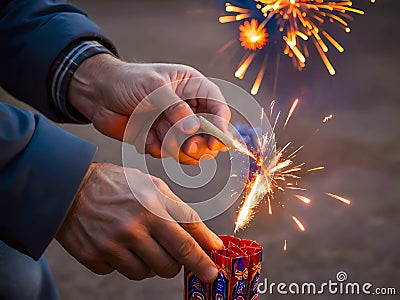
(44, 181)
(61, 73)
(75, 28)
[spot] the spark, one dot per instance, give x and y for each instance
(285, 246)
(315, 169)
(297, 24)
(241, 148)
(241, 70)
(327, 118)
(340, 198)
(303, 198)
(298, 223)
(291, 111)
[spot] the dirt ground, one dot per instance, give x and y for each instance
(360, 147)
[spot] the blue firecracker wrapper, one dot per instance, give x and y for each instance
(195, 289)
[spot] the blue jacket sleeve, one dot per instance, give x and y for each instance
(32, 34)
(41, 167)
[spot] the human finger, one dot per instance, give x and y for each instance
(126, 262)
(175, 110)
(185, 250)
(156, 257)
(153, 144)
(197, 147)
(170, 144)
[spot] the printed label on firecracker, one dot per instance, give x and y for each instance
(195, 289)
(220, 287)
(239, 278)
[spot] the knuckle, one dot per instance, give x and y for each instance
(192, 227)
(89, 258)
(106, 247)
(178, 108)
(139, 274)
(186, 247)
(101, 269)
(169, 270)
(157, 80)
(192, 218)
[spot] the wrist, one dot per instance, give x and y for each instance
(86, 89)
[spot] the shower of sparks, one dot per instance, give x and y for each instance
(299, 22)
(277, 170)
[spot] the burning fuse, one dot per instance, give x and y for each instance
(239, 264)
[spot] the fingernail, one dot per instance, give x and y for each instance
(193, 148)
(190, 124)
(210, 274)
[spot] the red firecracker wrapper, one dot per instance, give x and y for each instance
(239, 263)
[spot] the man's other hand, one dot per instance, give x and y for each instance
(107, 228)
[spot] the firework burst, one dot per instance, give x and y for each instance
(252, 35)
(295, 22)
(279, 172)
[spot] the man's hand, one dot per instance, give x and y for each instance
(107, 228)
(107, 90)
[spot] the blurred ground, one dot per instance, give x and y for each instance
(360, 147)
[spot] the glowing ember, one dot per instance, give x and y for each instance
(303, 198)
(327, 118)
(291, 111)
(297, 22)
(252, 35)
(298, 223)
(315, 169)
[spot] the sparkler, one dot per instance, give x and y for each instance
(279, 173)
(296, 22)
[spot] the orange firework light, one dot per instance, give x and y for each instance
(252, 35)
(299, 21)
(280, 173)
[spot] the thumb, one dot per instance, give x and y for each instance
(176, 110)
